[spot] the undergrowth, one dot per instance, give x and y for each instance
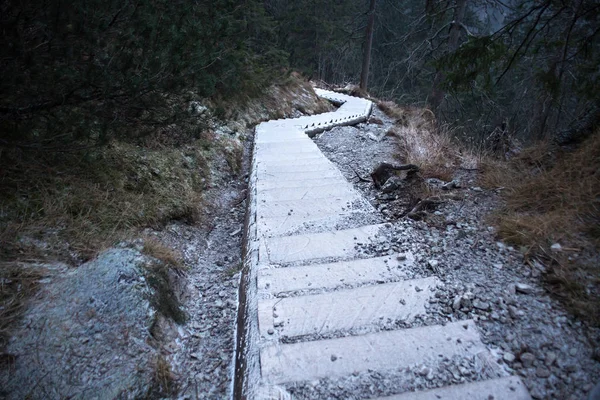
(552, 196)
(422, 143)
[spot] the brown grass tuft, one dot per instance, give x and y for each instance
(433, 153)
(164, 379)
(158, 250)
(554, 197)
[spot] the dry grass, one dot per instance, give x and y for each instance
(164, 380)
(421, 143)
(433, 152)
(69, 209)
(167, 255)
(551, 197)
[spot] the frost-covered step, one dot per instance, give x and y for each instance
(323, 191)
(277, 281)
(279, 176)
(323, 165)
(291, 225)
(298, 183)
(507, 388)
(345, 310)
(306, 208)
(291, 158)
(287, 149)
(381, 351)
(334, 244)
(297, 146)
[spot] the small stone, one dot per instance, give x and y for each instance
(509, 357)
(527, 359)
(333, 357)
(456, 303)
(270, 331)
(523, 288)
(542, 372)
(481, 305)
(418, 289)
(196, 355)
(550, 358)
(570, 368)
(424, 371)
(433, 264)
(573, 352)
(498, 265)
(401, 257)
(513, 312)
(556, 247)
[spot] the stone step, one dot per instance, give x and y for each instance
(277, 281)
(507, 388)
(291, 158)
(273, 174)
(323, 165)
(298, 183)
(316, 222)
(314, 246)
(345, 310)
(322, 192)
(307, 208)
(381, 351)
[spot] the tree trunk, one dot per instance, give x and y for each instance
(437, 93)
(364, 75)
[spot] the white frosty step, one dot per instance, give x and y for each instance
(324, 165)
(345, 309)
(296, 183)
(381, 351)
(323, 191)
(292, 158)
(508, 388)
(307, 208)
(293, 224)
(274, 174)
(328, 276)
(318, 245)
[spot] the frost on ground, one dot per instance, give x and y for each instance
(528, 331)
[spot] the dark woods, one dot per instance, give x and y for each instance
(525, 67)
(76, 73)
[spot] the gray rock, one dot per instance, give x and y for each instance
(509, 357)
(106, 294)
(481, 305)
(550, 358)
(527, 359)
(542, 372)
(457, 303)
(523, 288)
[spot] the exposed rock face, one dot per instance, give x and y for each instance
(86, 335)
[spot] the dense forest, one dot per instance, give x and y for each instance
(86, 71)
(529, 67)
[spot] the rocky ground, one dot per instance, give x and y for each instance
(528, 331)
